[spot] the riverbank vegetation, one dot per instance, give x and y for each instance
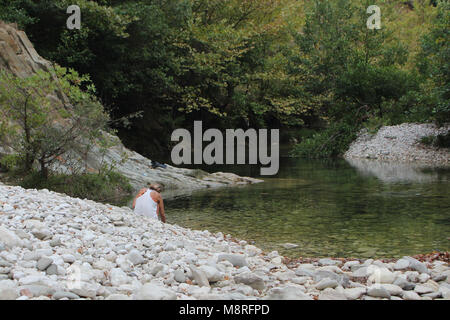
(51, 119)
(301, 66)
(106, 187)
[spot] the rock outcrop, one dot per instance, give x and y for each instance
(18, 56)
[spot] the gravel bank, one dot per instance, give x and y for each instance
(56, 247)
(400, 143)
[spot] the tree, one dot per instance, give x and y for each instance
(38, 126)
(15, 11)
(353, 73)
(434, 63)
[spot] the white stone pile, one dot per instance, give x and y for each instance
(56, 247)
(400, 143)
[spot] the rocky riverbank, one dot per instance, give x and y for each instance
(56, 247)
(401, 143)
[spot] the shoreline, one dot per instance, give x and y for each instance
(57, 247)
(401, 143)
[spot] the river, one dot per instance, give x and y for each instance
(328, 209)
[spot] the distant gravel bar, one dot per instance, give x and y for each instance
(401, 143)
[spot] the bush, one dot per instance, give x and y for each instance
(39, 129)
(110, 187)
(9, 162)
(434, 62)
(331, 142)
(439, 141)
(373, 124)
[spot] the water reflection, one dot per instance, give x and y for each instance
(394, 172)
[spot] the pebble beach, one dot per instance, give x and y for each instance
(54, 247)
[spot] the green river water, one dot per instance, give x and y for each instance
(329, 209)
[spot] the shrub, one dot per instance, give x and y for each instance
(110, 187)
(40, 129)
(330, 142)
(9, 162)
(439, 141)
(373, 124)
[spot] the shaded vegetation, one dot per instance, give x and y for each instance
(40, 129)
(439, 141)
(293, 65)
(107, 187)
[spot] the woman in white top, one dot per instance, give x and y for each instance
(149, 202)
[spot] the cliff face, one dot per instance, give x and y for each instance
(18, 56)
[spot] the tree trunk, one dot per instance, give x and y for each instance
(29, 156)
(44, 169)
(28, 162)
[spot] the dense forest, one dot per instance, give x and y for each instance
(311, 68)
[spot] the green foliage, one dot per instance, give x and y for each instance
(39, 128)
(10, 161)
(234, 65)
(356, 75)
(110, 187)
(373, 124)
(328, 143)
(286, 64)
(176, 61)
(443, 140)
(434, 62)
(14, 11)
(346, 64)
(439, 141)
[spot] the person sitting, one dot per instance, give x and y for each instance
(149, 202)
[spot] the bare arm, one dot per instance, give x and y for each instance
(162, 212)
(141, 192)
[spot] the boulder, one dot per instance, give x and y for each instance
(401, 264)
(381, 275)
(417, 265)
